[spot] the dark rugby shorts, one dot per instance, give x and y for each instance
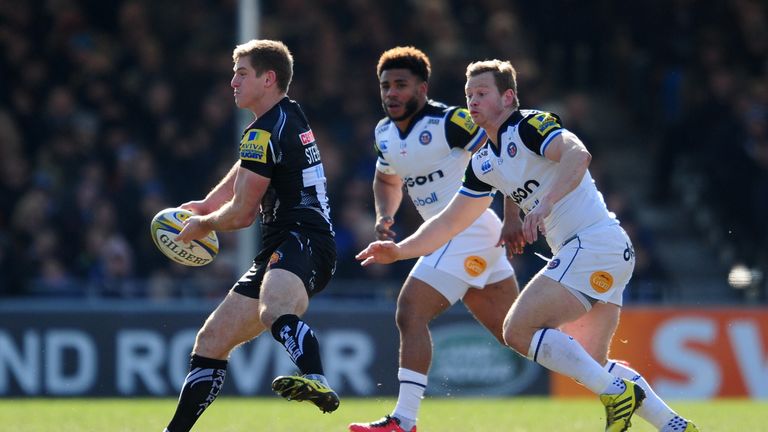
(310, 256)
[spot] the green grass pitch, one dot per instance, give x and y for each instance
(231, 414)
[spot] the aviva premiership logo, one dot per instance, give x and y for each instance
(254, 145)
(462, 118)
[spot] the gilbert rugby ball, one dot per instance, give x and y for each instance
(167, 224)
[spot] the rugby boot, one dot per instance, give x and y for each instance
(301, 388)
(620, 407)
(386, 424)
(690, 427)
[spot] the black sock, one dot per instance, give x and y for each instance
(300, 342)
(201, 386)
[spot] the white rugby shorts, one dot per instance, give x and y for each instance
(469, 260)
(597, 262)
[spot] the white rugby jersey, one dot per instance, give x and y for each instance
(517, 167)
(431, 156)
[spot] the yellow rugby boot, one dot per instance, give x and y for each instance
(302, 388)
(620, 407)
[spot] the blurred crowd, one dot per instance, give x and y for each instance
(111, 111)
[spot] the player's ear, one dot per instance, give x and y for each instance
(270, 79)
(424, 86)
(508, 97)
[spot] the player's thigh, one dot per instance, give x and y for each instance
(282, 292)
(419, 302)
(595, 329)
(544, 303)
(235, 321)
(491, 304)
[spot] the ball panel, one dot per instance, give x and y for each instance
(167, 224)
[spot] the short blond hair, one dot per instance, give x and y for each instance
(504, 75)
(267, 55)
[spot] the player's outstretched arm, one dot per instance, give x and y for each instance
(217, 197)
(435, 232)
(239, 212)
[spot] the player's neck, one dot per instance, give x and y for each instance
(404, 124)
(266, 103)
(493, 126)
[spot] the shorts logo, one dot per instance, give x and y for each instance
(601, 281)
(512, 150)
(553, 263)
(474, 265)
(425, 138)
(275, 258)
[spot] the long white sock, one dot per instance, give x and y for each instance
(653, 409)
(559, 352)
(412, 386)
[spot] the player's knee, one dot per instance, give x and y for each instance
(514, 338)
(208, 344)
(267, 315)
(409, 317)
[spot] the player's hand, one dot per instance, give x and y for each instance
(382, 228)
(534, 221)
(194, 229)
(511, 236)
(379, 252)
(197, 207)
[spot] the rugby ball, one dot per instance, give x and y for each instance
(167, 224)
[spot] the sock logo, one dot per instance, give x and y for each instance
(216, 384)
(290, 343)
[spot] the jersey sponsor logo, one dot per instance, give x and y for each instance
(433, 121)
(486, 167)
(422, 180)
(425, 138)
(382, 128)
(512, 149)
(544, 123)
(601, 281)
(382, 146)
(431, 199)
(474, 265)
(462, 118)
(307, 137)
(253, 146)
(553, 264)
(522, 193)
(403, 148)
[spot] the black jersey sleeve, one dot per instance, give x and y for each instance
(461, 131)
(256, 152)
(474, 187)
(537, 130)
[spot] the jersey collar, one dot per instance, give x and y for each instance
(512, 120)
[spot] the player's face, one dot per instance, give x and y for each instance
(484, 102)
(248, 87)
(402, 93)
